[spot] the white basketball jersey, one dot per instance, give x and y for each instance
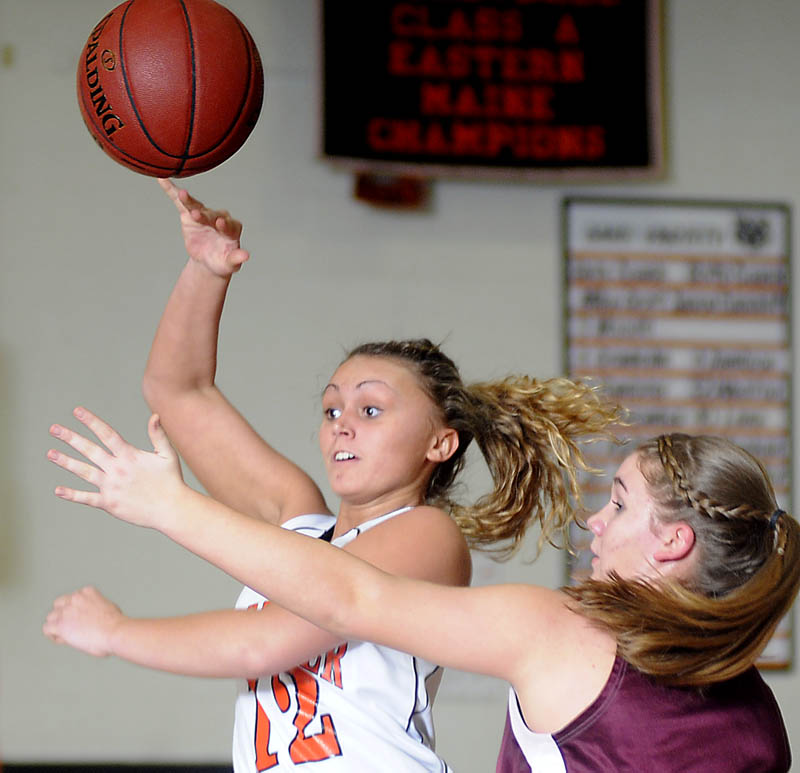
(356, 709)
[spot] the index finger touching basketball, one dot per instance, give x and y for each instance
(211, 236)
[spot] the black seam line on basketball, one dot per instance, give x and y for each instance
(134, 161)
(194, 87)
(249, 47)
(225, 135)
(89, 113)
(186, 156)
(146, 133)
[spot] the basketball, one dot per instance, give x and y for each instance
(170, 88)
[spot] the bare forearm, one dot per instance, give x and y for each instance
(184, 352)
(209, 644)
(276, 562)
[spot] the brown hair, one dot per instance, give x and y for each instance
(716, 624)
(528, 433)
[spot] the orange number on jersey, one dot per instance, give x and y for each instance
(303, 747)
(264, 759)
(319, 746)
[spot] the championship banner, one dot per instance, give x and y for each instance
(681, 310)
(513, 88)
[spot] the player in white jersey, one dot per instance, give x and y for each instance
(354, 705)
(396, 422)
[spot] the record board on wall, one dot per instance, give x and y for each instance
(512, 88)
(681, 310)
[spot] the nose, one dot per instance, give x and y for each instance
(596, 523)
(342, 425)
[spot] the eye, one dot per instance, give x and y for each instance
(332, 413)
(617, 505)
(372, 411)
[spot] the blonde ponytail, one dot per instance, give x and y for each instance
(528, 432)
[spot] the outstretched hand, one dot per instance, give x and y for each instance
(85, 620)
(136, 486)
(211, 236)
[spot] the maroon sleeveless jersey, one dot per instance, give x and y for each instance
(636, 725)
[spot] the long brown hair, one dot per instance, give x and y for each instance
(715, 625)
(528, 432)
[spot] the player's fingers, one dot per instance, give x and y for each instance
(83, 470)
(60, 602)
(228, 226)
(91, 498)
(239, 256)
(187, 201)
(161, 444)
(110, 438)
(168, 187)
(82, 445)
(173, 192)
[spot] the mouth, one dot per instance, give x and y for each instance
(343, 456)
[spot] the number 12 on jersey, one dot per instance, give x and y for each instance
(304, 747)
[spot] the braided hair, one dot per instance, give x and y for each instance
(716, 623)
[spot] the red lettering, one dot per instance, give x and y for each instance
(458, 61)
(333, 665)
(486, 62)
(485, 58)
(487, 139)
(393, 135)
(488, 101)
(466, 102)
(498, 137)
(399, 54)
(435, 142)
(571, 66)
(484, 23)
(570, 142)
(405, 17)
(434, 98)
(458, 27)
(595, 142)
(566, 31)
(543, 65)
(467, 139)
(430, 63)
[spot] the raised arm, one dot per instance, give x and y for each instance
(230, 459)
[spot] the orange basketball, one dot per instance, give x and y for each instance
(170, 88)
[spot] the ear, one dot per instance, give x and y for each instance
(677, 541)
(445, 444)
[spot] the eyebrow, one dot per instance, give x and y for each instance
(359, 385)
(619, 482)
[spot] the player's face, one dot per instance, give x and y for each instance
(378, 427)
(625, 530)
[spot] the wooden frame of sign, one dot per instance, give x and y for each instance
(520, 89)
(682, 311)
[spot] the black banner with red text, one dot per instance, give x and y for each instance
(511, 86)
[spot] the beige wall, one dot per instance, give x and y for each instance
(89, 252)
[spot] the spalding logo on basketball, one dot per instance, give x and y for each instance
(170, 88)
